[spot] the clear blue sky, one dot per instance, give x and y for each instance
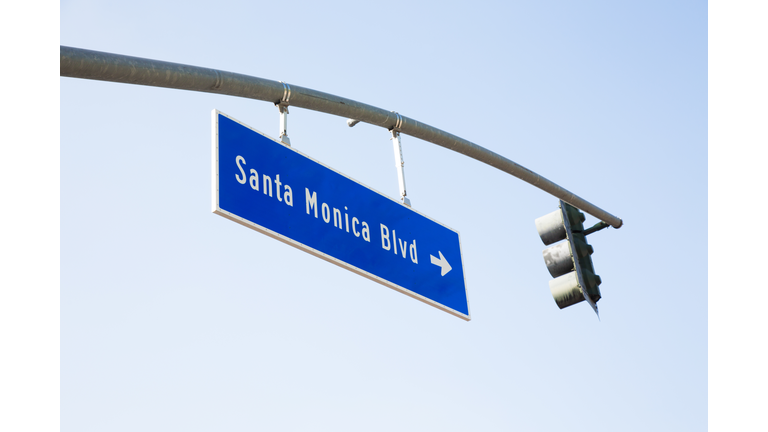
(173, 318)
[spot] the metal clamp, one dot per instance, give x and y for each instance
(282, 106)
(284, 101)
(398, 122)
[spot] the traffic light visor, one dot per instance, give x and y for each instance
(551, 227)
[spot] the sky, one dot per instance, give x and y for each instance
(172, 317)
(175, 318)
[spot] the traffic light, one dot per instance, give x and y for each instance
(569, 262)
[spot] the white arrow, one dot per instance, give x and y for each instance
(442, 262)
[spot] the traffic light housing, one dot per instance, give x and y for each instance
(569, 262)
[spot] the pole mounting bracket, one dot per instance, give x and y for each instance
(282, 106)
(399, 163)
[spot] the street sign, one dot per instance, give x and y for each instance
(267, 186)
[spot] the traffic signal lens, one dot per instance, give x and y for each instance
(558, 259)
(551, 228)
(565, 290)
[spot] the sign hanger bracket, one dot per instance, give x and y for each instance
(282, 106)
(399, 163)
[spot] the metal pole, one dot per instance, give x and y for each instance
(95, 65)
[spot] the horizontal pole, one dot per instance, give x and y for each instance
(96, 65)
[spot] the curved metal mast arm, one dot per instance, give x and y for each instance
(95, 65)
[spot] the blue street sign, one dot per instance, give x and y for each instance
(270, 187)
